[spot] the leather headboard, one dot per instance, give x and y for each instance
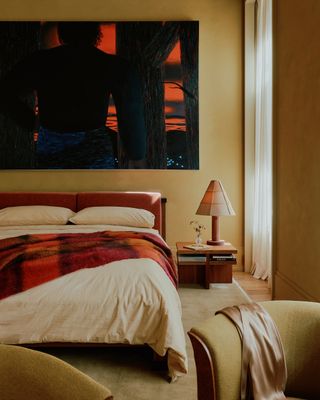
(60, 199)
(77, 201)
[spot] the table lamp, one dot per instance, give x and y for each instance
(215, 202)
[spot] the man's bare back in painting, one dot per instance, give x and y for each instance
(73, 83)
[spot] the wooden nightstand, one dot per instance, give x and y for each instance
(205, 266)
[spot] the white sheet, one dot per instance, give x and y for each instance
(129, 301)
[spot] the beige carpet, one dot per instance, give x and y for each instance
(129, 372)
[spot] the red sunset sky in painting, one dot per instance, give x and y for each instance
(172, 93)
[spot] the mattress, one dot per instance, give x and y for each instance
(130, 301)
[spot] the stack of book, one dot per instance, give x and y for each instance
(191, 258)
(223, 257)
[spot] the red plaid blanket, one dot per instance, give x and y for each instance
(29, 260)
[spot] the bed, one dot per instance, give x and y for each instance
(129, 301)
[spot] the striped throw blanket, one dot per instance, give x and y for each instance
(30, 260)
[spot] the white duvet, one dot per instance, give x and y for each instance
(129, 301)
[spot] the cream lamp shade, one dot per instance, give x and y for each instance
(215, 202)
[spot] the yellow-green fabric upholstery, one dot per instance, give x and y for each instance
(224, 345)
(29, 374)
(299, 327)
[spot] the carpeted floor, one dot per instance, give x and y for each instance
(129, 372)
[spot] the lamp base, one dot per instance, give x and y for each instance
(215, 242)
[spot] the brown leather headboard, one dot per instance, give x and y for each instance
(60, 199)
(77, 201)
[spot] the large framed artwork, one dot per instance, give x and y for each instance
(99, 95)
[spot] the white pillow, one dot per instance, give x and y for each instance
(35, 215)
(124, 216)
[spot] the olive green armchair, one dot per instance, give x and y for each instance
(29, 374)
(217, 350)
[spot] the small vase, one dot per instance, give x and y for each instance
(198, 240)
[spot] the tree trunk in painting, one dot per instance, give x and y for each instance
(147, 45)
(189, 36)
(17, 40)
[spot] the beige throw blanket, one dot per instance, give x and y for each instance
(264, 372)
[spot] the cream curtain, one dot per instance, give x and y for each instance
(262, 213)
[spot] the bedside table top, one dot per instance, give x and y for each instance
(226, 248)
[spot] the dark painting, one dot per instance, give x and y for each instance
(99, 95)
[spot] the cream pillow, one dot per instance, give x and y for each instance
(35, 215)
(124, 216)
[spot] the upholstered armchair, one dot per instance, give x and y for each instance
(28, 374)
(217, 350)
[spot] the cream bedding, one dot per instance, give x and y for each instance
(129, 301)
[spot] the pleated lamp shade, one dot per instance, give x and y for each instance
(215, 202)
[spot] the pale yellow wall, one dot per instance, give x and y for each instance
(221, 115)
(297, 141)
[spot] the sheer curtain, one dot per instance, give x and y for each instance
(262, 212)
